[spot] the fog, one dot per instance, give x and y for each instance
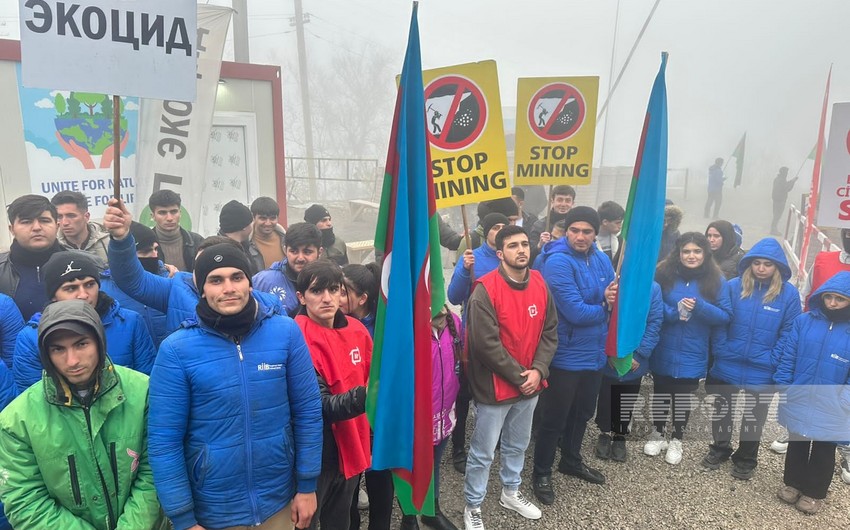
(736, 66)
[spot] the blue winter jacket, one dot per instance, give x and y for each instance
(747, 351)
(682, 351)
(647, 342)
(577, 282)
(814, 370)
(11, 322)
(127, 342)
(177, 296)
(235, 428)
(275, 282)
(460, 286)
(8, 392)
(154, 320)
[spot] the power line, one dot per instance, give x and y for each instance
(332, 43)
(350, 32)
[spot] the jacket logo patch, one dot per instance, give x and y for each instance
(70, 268)
(839, 358)
(265, 367)
(135, 456)
(771, 309)
(280, 292)
(355, 356)
(532, 310)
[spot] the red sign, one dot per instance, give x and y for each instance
(456, 112)
(556, 112)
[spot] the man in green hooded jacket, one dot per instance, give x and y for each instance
(73, 447)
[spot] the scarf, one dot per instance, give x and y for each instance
(236, 325)
(837, 315)
(328, 237)
(690, 274)
(32, 258)
(150, 264)
(104, 304)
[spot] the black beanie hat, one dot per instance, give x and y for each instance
(67, 266)
(316, 213)
(505, 206)
(216, 257)
(144, 236)
(234, 217)
(492, 219)
(582, 213)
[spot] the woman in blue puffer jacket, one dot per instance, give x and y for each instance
(814, 370)
(764, 306)
(695, 304)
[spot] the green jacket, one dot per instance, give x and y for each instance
(58, 459)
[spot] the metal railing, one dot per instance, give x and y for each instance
(336, 178)
(792, 242)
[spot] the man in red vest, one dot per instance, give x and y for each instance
(511, 338)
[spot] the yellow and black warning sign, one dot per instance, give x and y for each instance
(464, 118)
(555, 129)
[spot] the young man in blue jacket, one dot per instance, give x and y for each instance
(75, 275)
(303, 246)
(580, 277)
(235, 424)
(176, 296)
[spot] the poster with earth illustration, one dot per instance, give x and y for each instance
(69, 143)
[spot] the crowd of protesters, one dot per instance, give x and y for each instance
(153, 378)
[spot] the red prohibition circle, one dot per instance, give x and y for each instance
(462, 115)
(561, 116)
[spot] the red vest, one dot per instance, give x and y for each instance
(827, 265)
(342, 357)
(521, 314)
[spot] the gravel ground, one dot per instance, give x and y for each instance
(646, 492)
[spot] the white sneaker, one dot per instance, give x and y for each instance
(362, 499)
(674, 452)
(655, 444)
(515, 501)
(780, 445)
(472, 519)
(845, 470)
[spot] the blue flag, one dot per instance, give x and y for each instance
(641, 232)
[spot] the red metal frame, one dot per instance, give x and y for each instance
(10, 50)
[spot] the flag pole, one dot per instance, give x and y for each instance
(116, 146)
(468, 240)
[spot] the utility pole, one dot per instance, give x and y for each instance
(298, 22)
(240, 31)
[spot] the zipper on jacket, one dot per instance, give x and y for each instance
(38, 273)
(113, 462)
(75, 480)
(248, 442)
(106, 497)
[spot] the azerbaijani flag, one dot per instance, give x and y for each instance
(641, 231)
(398, 399)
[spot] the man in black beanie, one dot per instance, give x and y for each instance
(334, 246)
(237, 222)
(75, 275)
(581, 280)
(237, 376)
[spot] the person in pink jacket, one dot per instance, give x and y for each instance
(446, 350)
